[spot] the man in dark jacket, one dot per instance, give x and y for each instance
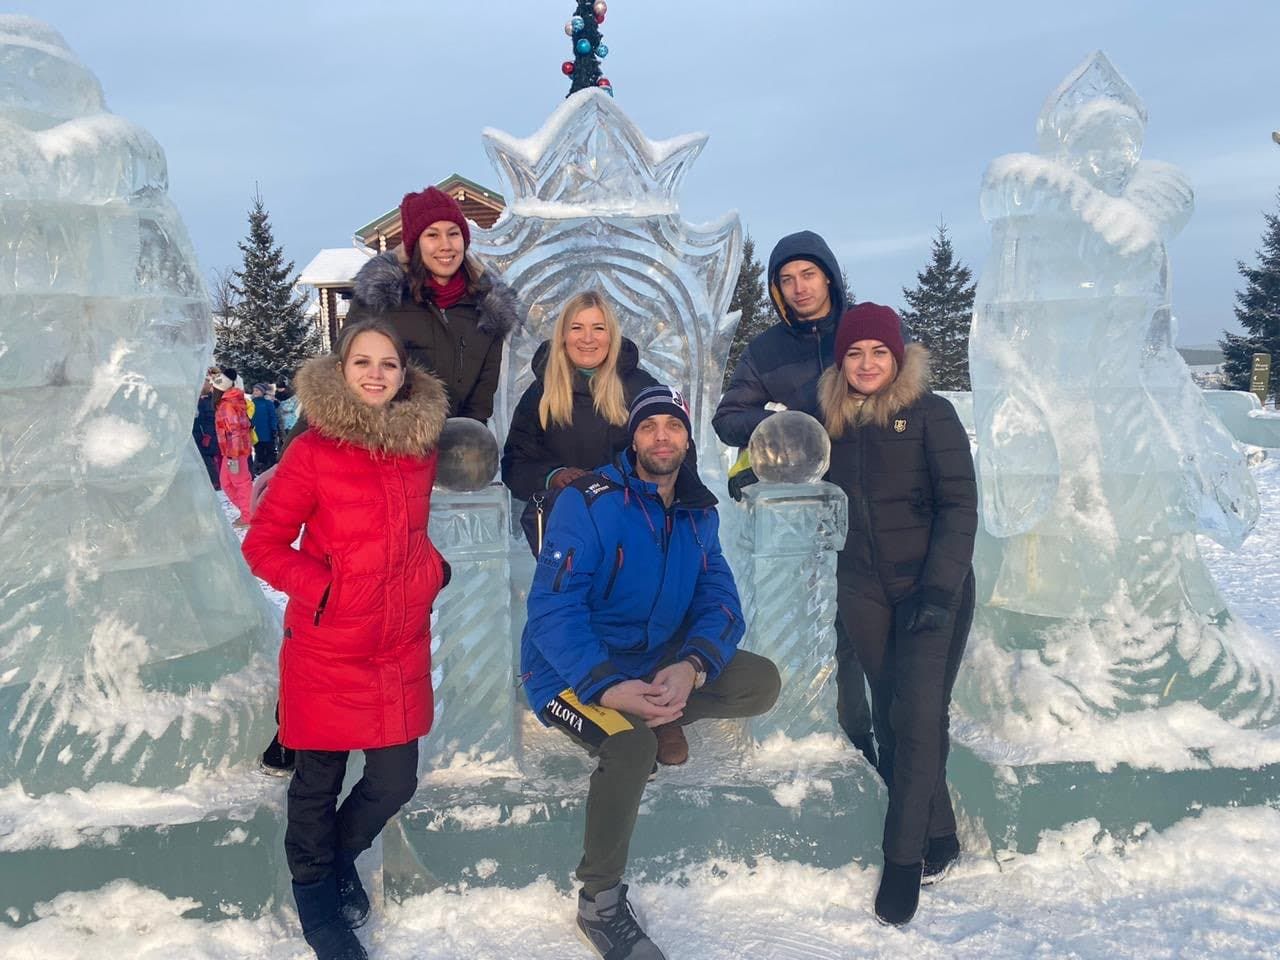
(634, 624)
(779, 370)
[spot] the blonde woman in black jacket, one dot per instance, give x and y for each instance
(904, 578)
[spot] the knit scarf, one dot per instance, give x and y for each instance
(449, 293)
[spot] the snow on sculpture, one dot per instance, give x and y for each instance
(1098, 459)
(131, 633)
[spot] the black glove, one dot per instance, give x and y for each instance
(741, 479)
(927, 616)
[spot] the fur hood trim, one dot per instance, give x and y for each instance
(843, 408)
(382, 284)
(407, 427)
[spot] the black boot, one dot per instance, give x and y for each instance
(899, 893)
(938, 858)
(277, 759)
(319, 911)
(354, 901)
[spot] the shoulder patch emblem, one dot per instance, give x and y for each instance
(593, 487)
(899, 426)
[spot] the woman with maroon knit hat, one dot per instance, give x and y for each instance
(904, 578)
(451, 312)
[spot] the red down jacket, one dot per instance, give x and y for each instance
(355, 664)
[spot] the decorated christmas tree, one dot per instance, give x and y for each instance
(583, 30)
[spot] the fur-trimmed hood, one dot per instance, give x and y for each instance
(406, 427)
(383, 284)
(843, 408)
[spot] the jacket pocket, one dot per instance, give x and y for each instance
(329, 599)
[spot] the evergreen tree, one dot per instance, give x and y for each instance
(270, 334)
(939, 312)
(1257, 309)
(586, 66)
(751, 297)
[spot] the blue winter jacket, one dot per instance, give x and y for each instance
(264, 418)
(623, 583)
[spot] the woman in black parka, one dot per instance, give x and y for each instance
(904, 578)
(573, 417)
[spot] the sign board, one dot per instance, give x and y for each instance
(1260, 377)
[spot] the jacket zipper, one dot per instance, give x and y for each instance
(565, 566)
(538, 499)
(617, 566)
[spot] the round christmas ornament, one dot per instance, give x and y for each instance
(568, 28)
(599, 18)
(567, 68)
(583, 46)
(602, 50)
(577, 23)
(600, 8)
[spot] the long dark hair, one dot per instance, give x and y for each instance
(420, 285)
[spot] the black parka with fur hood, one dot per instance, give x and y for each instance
(461, 345)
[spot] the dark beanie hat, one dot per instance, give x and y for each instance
(870, 321)
(419, 210)
(656, 400)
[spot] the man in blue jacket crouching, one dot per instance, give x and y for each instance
(634, 624)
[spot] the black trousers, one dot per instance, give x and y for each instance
(852, 709)
(264, 456)
(318, 828)
(912, 676)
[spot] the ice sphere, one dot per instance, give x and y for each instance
(1098, 459)
(789, 447)
(468, 455)
(135, 644)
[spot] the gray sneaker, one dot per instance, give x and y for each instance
(610, 927)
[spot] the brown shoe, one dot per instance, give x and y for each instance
(673, 748)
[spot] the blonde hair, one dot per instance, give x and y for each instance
(842, 406)
(556, 405)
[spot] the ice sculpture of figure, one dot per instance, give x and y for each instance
(1098, 459)
(132, 636)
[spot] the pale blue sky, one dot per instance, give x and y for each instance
(865, 122)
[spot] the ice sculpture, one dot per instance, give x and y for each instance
(468, 455)
(133, 634)
(1098, 459)
(592, 203)
(135, 646)
(790, 447)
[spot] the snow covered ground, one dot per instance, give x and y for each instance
(1206, 887)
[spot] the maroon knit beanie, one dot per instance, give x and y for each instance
(420, 210)
(870, 321)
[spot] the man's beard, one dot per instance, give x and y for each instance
(657, 468)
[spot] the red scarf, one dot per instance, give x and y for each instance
(449, 293)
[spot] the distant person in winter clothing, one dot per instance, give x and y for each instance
(205, 432)
(904, 578)
(573, 417)
(634, 622)
(355, 665)
(266, 427)
(452, 314)
(235, 444)
(287, 410)
(779, 370)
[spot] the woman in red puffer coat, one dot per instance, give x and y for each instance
(355, 665)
